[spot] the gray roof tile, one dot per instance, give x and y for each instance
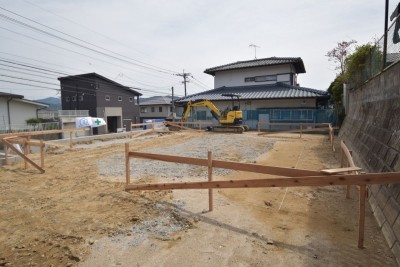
(266, 91)
(262, 62)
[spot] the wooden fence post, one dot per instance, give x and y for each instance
(301, 130)
(41, 154)
(361, 219)
(127, 164)
(348, 187)
(6, 152)
(210, 192)
(28, 145)
(26, 153)
(70, 138)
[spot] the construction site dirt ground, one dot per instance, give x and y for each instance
(78, 214)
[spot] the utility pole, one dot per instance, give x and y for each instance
(385, 34)
(255, 50)
(184, 75)
(173, 105)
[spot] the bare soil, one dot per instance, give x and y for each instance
(78, 214)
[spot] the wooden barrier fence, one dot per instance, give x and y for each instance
(173, 123)
(301, 129)
(24, 138)
(293, 178)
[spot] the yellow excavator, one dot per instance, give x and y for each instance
(230, 119)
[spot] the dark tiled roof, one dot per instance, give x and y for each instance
(87, 76)
(262, 62)
(11, 95)
(156, 100)
(266, 91)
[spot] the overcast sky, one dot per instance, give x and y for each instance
(155, 39)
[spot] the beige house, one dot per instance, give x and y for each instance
(15, 110)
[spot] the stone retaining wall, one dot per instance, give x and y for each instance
(372, 131)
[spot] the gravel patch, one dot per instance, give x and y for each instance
(161, 227)
(230, 147)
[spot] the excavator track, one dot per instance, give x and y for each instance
(229, 129)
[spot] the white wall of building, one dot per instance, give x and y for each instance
(3, 113)
(237, 77)
(20, 111)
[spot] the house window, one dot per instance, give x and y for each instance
(73, 98)
(265, 78)
(143, 110)
(67, 99)
(170, 109)
(119, 98)
(152, 109)
(107, 98)
(159, 109)
(130, 99)
(80, 98)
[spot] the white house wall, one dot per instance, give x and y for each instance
(236, 77)
(3, 113)
(20, 112)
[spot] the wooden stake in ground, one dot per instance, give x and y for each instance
(127, 164)
(70, 139)
(210, 191)
(41, 153)
(6, 152)
(361, 219)
(26, 148)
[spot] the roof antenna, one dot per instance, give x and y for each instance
(255, 50)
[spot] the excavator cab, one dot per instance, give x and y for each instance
(233, 116)
(233, 96)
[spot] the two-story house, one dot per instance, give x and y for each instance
(103, 98)
(155, 107)
(268, 91)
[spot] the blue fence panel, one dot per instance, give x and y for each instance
(251, 117)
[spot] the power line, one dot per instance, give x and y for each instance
(91, 30)
(75, 52)
(78, 78)
(154, 68)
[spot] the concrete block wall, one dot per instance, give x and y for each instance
(372, 131)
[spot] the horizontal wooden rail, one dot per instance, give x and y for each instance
(348, 179)
(289, 172)
(190, 122)
(295, 131)
(146, 123)
(19, 134)
(291, 124)
(340, 170)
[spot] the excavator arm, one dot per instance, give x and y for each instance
(201, 103)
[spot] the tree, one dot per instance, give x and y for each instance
(358, 68)
(340, 53)
(335, 91)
